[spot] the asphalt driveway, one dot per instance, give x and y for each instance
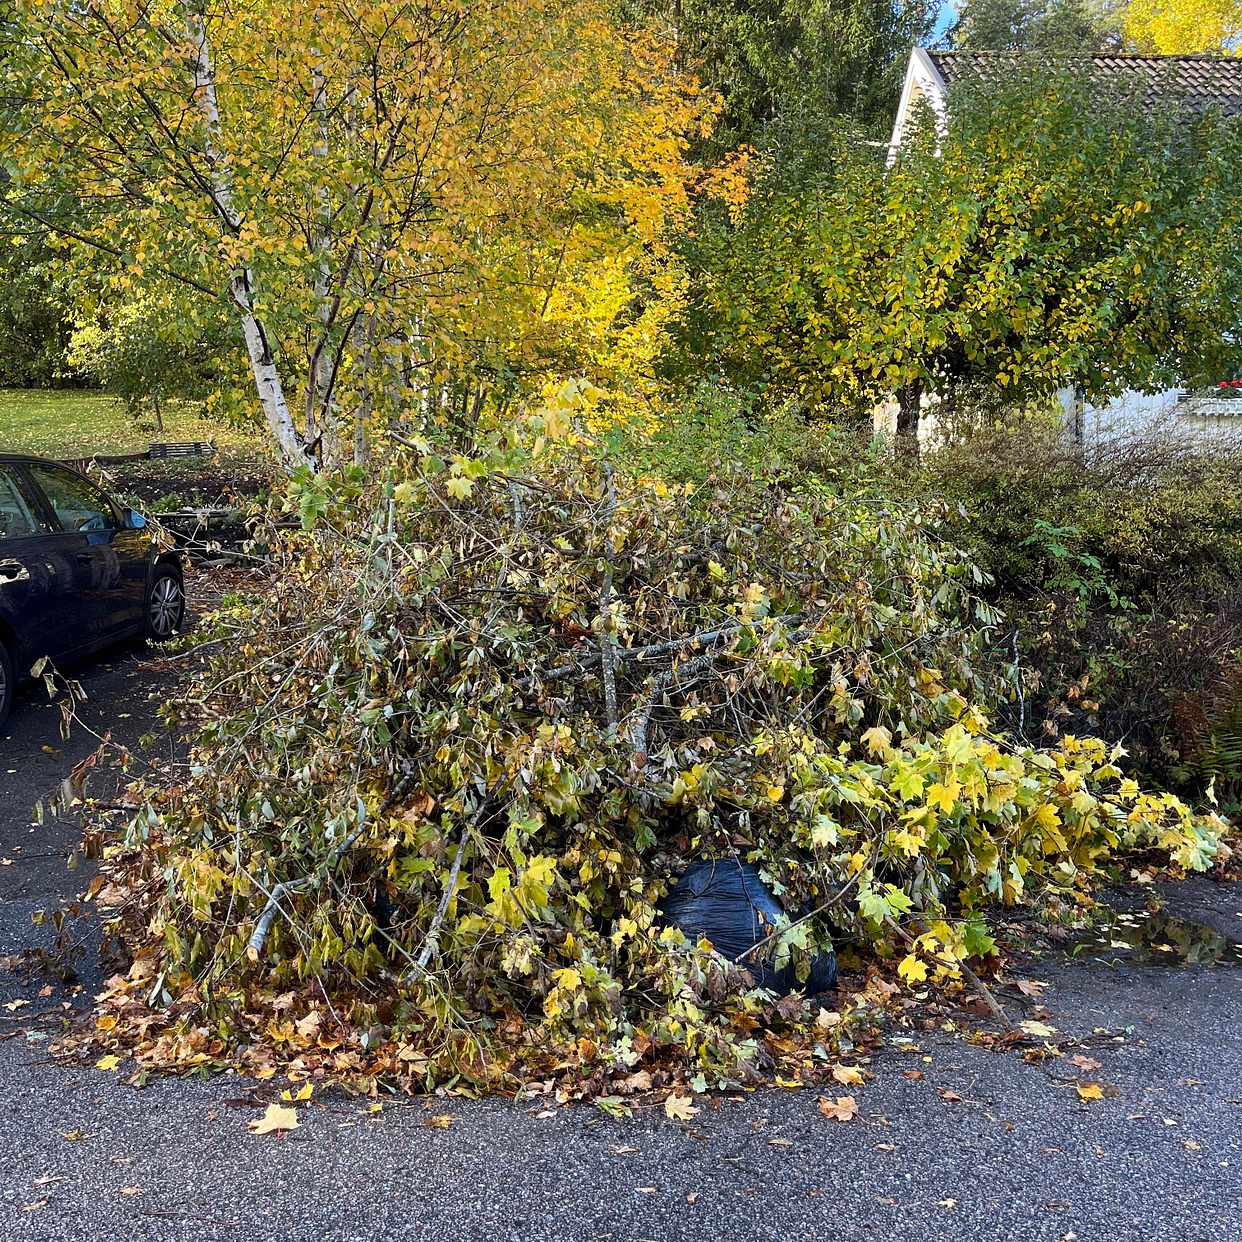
(951, 1141)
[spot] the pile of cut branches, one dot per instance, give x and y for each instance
(490, 710)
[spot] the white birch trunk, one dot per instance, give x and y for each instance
(241, 286)
(320, 413)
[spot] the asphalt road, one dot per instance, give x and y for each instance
(1019, 1157)
(123, 688)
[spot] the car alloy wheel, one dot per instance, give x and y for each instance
(167, 603)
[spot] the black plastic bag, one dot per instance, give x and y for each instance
(726, 902)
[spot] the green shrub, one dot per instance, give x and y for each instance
(1122, 580)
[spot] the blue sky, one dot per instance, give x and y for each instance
(944, 21)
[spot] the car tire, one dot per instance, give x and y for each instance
(8, 681)
(165, 606)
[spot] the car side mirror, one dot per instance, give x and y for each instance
(133, 520)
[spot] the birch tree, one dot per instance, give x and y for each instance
(406, 207)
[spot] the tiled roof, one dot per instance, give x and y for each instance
(1200, 81)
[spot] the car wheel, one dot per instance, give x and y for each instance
(165, 604)
(8, 682)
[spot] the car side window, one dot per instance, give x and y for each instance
(78, 504)
(17, 515)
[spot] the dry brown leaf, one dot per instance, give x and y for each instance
(1086, 1064)
(441, 1121)
(843, 1108)
(308, 1027)
(847, 1075)
(640, 1081)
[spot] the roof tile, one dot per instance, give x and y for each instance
(1200, 81)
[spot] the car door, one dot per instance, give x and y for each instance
(91, 524)
(39, 577)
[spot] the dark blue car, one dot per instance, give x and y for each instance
(77, 570)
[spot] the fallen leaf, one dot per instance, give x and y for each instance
(844, 1108)
(1086, 1064)
(75, 1136)
(645, 1190)
(1090, 1091)
(1031, 987)
(780, 1142)
(303, 1094)
(1040, 1030)
(625, 1151)
(1188, 1144)
(14, 1005)
(913, 1075)
(105, 1022)
(847, 1075)
(692, 1197)
(35, 1206)
(110, 1062)
(276, 1119)
(948, 1204)
(441, 1121)
(308, 1027)
(679, 1107)
(130, 1191)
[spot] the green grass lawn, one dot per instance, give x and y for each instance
(66, 424)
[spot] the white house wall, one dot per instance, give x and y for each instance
(1167, 417)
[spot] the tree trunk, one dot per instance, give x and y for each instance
(158, 410)
(909, 402)
(267, 381)
(320, 413)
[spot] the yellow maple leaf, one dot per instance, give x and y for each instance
(1090, 1091)
(877, 740)
(109, 1062)
(679, 1107)
(912, 968)
(276, 1119)
(944, 797)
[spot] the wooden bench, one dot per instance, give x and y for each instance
(192, 448)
